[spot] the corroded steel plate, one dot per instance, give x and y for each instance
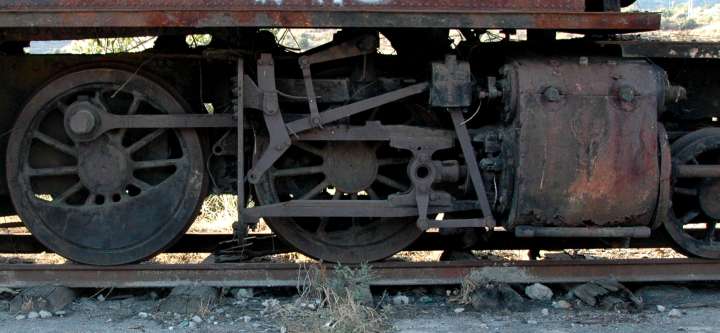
(264, 5)
(39, 19)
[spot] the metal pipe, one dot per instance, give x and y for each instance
(611, 232)
(697, 171)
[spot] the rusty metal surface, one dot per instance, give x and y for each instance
(588, 149)
(294, 5)
(385, 274)
(33, 17)
(664, 49)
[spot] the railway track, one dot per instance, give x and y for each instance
(500, 240)
(385, 273)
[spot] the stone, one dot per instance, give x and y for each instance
(674, 313)
(192, 325)
(20, 317)
(457, 255)
(401, 300)
(197, 319)
(270, 304)
(545, 312)
(532, 322)
(609, 294)
(459, 310)
(496, 296)
(664, 294)
(539, 292)
(101, 298)
(588, 292)
(660, 308)
(60, 313)
(143, 315)
(45, 314)
(42, 298)
(189, 300)
(33, 315)
(562, 304)
(613, 303)
(243, 293)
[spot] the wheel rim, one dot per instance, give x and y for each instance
(693, 217)
(315, 171)
(116, 199)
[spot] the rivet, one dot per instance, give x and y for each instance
(552, 94)
(627, 94)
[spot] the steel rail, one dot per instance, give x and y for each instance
(384, 274)
(500, 240)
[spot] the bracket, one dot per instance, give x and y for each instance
(279, 138)
(362, 45)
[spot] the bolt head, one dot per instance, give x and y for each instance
(82, 122)
(552, 94)
(627, 94)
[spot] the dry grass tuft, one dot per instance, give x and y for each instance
(217, 214)
(472, 282)
(336, 301)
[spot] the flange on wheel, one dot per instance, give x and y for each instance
(111, 198)
(695, 208)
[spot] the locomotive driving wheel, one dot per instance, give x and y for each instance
(340, 171)
(695, 211)
(116, 198)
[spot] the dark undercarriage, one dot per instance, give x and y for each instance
(350, 155)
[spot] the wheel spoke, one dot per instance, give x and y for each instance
(141, 184)
(56, 171)
(315, 191)
(686, 191)
(373, 195)
(321, 226)
(62, 107)
(710, 231)
(144, 141)
(139, 165)
(302, 171)
(393, 161)
(308, 148)
(69, 192)
(689, 216)
(90, 199)
(392, 183)
(100, 100)
(55, 143)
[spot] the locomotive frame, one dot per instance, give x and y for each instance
(538, 148)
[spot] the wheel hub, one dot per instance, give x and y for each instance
(103, 166)
(709, 198)
(350, 166)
